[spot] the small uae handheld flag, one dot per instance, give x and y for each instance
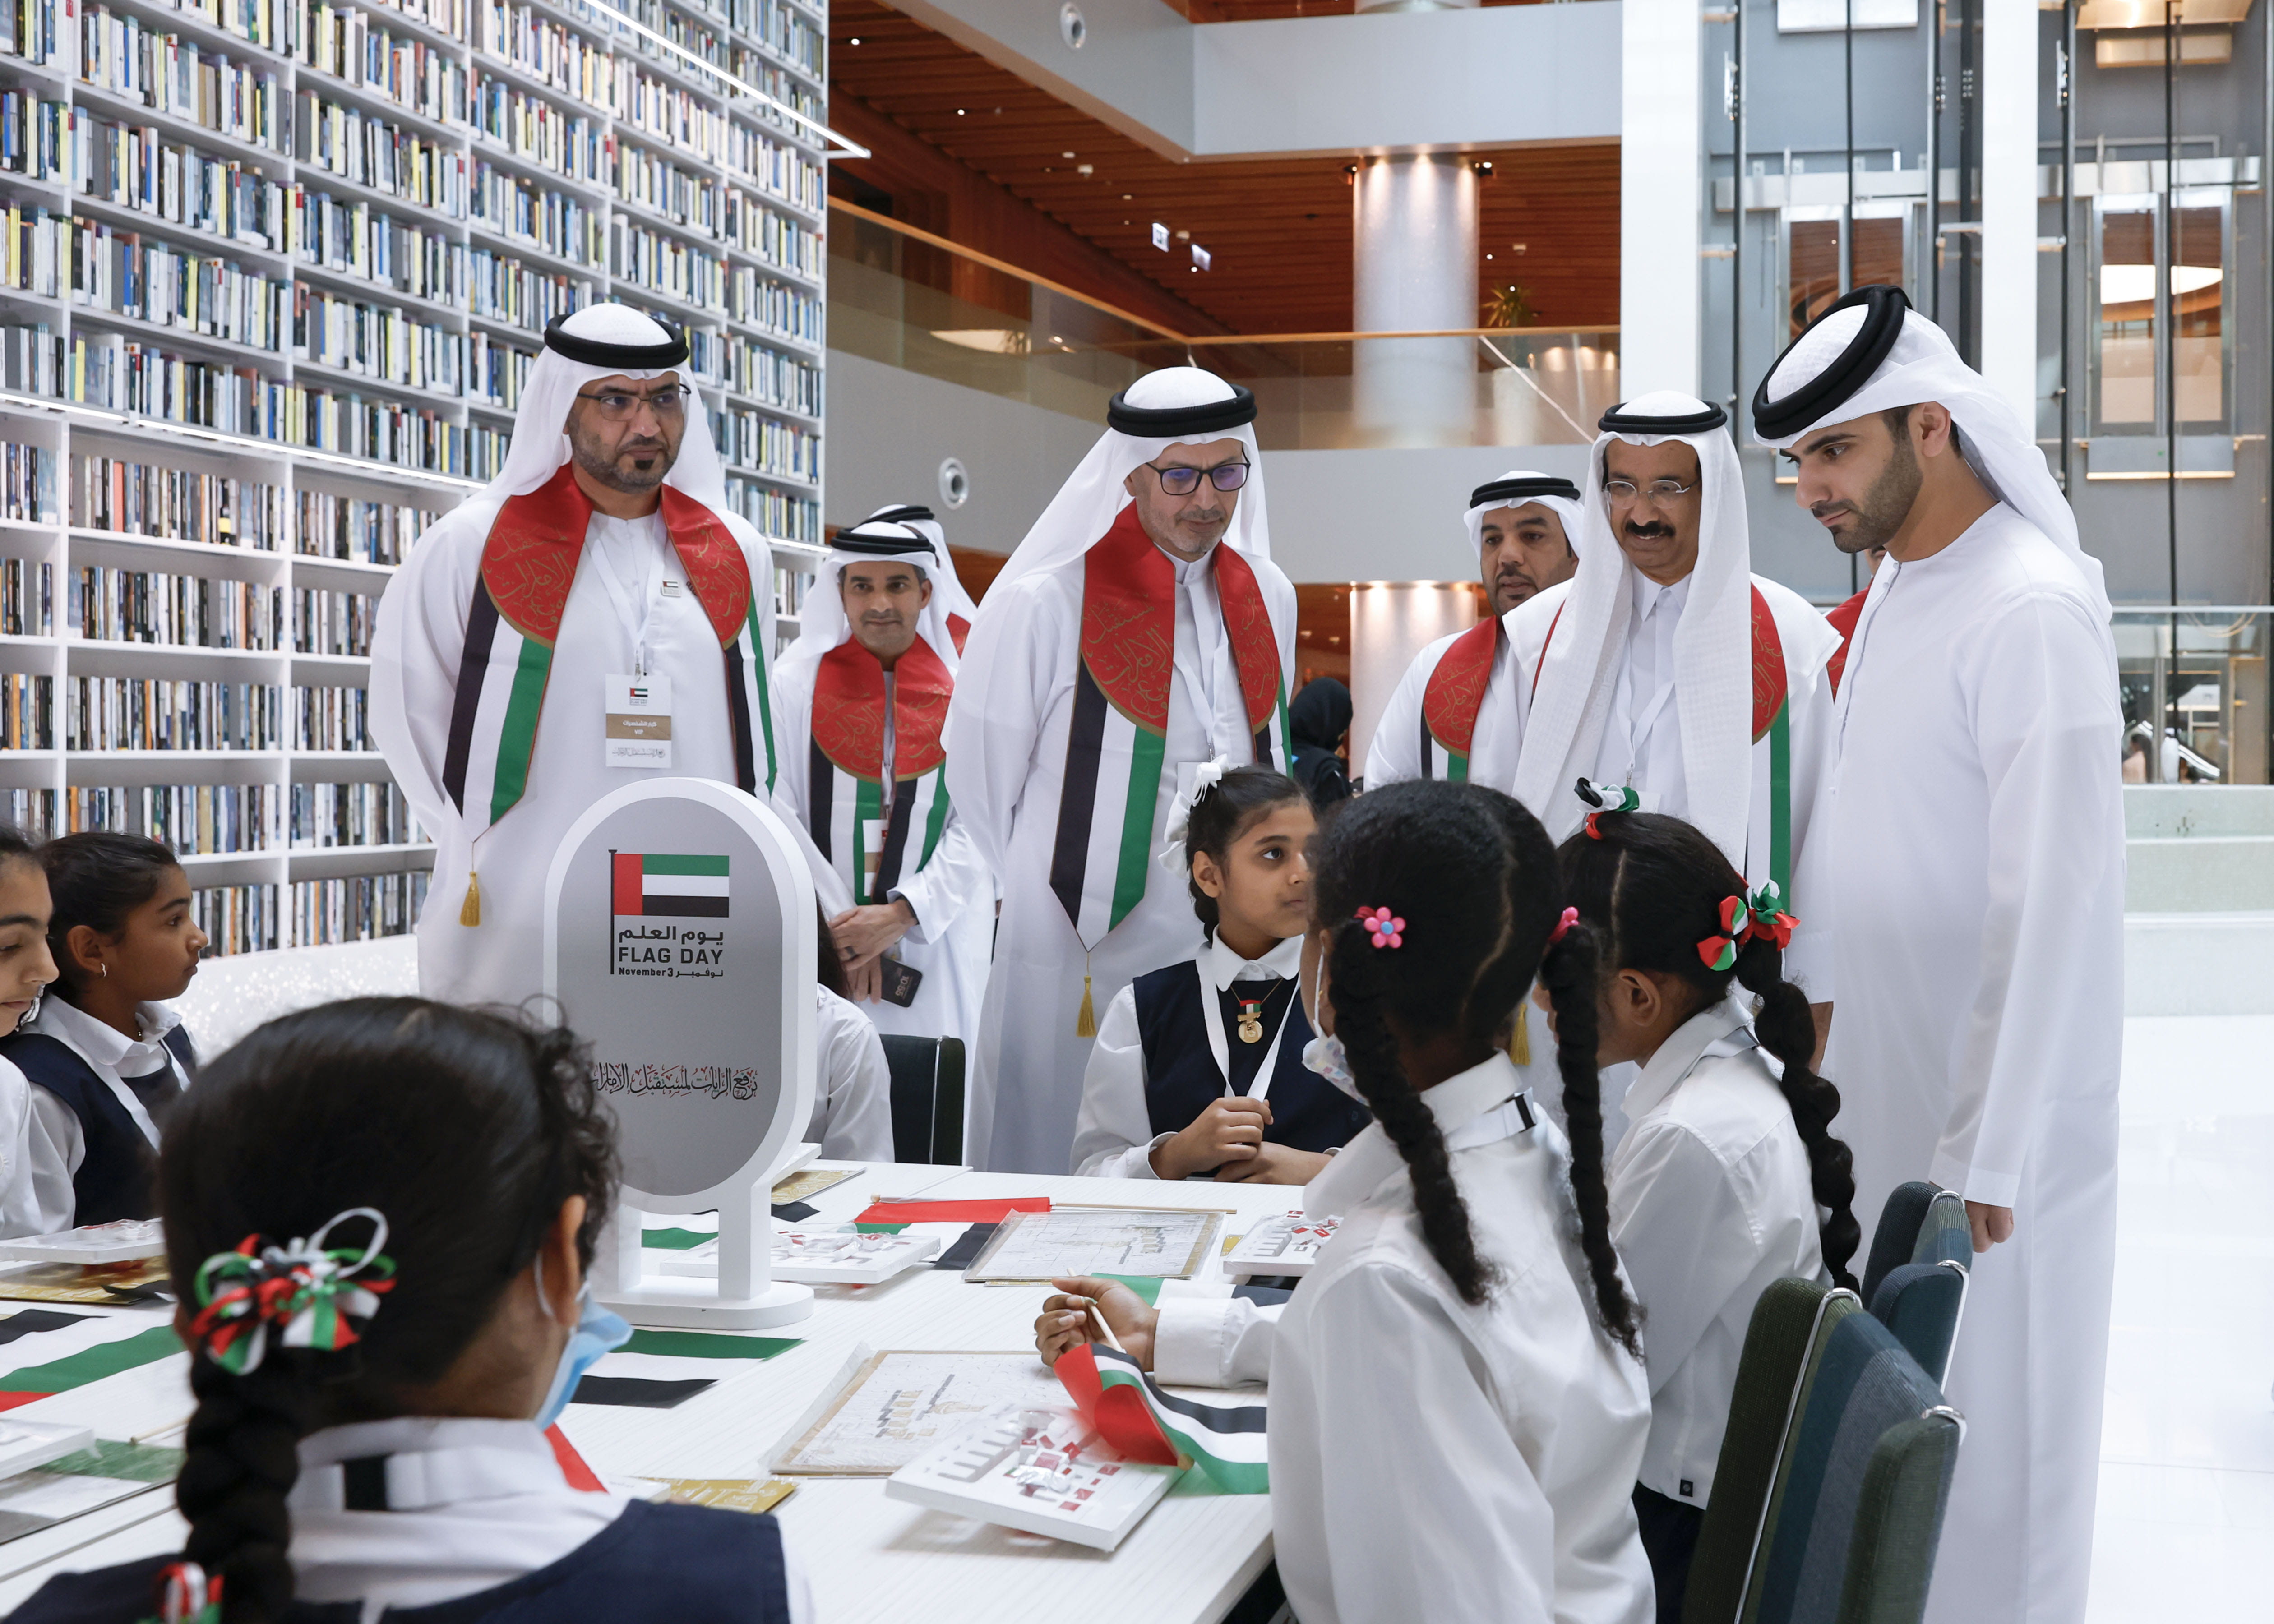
(1129, 1411)
(662, 884)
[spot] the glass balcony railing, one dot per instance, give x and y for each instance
(2194, 692)
(910, 299)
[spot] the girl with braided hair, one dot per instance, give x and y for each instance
(1457, 1396)
(1729, 1176)
(378, 1217)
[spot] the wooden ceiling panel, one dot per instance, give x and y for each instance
(1277, 230)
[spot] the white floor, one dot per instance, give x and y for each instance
(2185, 1526)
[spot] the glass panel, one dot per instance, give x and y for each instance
(2194, 693)
(2199, 295)
(1814, 277)
(2126, 364)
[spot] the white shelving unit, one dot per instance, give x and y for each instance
(271, 161)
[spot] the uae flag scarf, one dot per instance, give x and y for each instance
(1117, 745)
(1452, 699)
(529, 562)
(844, 780)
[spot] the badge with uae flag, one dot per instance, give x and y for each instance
(1141, 1422)
(669, 885)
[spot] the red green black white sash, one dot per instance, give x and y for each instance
(1116, 745)
(1453, 699)
(845, 794)
(529, 563)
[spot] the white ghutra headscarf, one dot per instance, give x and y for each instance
(1713, 645)
(1520, 487)
(1871, 352)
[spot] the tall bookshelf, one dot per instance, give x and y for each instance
(272, 274)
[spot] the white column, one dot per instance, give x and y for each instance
(1415, 252)
(2009, 202)
(1658, 202)
(1392, 621)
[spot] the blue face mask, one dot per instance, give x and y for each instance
(598, 1332)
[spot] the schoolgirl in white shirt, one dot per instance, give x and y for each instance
(1198, 1067)
(1457, 1399)
(26, 969)
(422, 1186)
(1729, 1176)
(107, 1054)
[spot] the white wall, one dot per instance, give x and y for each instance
(1314, 84)
(1659, 197)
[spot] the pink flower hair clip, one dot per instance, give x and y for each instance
(1387, 930)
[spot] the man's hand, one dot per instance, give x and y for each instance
(867, 980)
(1990, 1224)
(863, 933)
(1275, 1164)
(1230, 1130)
(1063, 1326)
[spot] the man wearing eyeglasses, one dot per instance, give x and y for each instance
(1453, 715)
(606, 537)
(1668, 670)
(1138, 631)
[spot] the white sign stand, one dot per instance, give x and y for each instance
(680, 941)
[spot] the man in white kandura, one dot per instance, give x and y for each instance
(866, 687)
(1668, 670)
(1979, 875)
(607, 537)
(1453, 715)
(1140, 630)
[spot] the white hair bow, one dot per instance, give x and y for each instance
(1205, 777)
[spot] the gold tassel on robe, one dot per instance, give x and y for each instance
(469, 911)
(1085, 1022)
(1519, 1045)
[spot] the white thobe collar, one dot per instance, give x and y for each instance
(1650, 595)
(1220, 966)
(431, 1462)
(1722, 1028)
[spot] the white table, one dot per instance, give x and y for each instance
(870, 1558)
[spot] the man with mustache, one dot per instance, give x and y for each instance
(1978, 863)
(607, 537)
(1667, 677)
(1453, 714)
(866, 687)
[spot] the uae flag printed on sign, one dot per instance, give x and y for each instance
(666, 885)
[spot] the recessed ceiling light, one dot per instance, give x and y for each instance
(855, 41)
(1066, 154)
(958, 112)
(1127, 196)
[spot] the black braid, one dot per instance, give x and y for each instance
(242, 1459)
(1474, 877)
(1410, 1126)
(1568, 974)
(1654, 886)
(1787, 1030)
(467, 1129)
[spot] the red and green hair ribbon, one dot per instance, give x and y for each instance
(314, 1296)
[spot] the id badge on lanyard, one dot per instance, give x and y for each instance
(638, 722)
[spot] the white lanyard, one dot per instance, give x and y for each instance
(633, 617)
(1212, 1011)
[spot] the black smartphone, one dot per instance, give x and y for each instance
(898, 982)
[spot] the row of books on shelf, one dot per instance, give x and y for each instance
(174, 504)
(28, 29)
(327, 622)
(126, 56)
(29, 491)
(154, 606)
(245, 919)
(776, 512)
(27, 597)
(28, 711)
(136, 379)
(227, 819)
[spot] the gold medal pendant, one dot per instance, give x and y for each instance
(1251, 1020)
